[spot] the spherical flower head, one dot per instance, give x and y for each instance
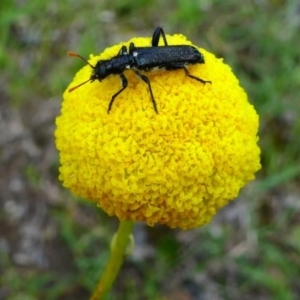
(177, 167)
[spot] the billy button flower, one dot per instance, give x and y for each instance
(177, 167)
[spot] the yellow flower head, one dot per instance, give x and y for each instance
(177, 167)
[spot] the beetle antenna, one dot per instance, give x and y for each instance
(79, 85)
(70, 53)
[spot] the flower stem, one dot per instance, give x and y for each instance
(117, 255)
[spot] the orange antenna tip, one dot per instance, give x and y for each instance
(71, 53)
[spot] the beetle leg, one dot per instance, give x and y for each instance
(124, 82)
(123, 50)
(194, 77)
(131, 48)
(181, 66)
(146, 79)
(156, 35)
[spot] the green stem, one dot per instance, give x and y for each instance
(117, 255)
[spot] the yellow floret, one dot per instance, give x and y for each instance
(178, 167)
